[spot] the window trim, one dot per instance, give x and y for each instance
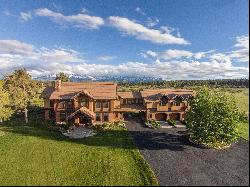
(104, 116)
(98, 103)
(98, 115)
(65, 116)
(107, 105)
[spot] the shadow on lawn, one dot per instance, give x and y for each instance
(112, 138)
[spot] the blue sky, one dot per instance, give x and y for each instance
(168, 39)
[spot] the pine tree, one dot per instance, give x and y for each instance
(63, 77)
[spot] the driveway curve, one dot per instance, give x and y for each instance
(176, 162)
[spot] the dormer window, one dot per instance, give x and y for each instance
(83, 102)
(163, 101)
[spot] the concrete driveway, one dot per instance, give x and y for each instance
(177, 162)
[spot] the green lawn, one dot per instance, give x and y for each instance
(242, 98)
(37, 156)
(244, 130)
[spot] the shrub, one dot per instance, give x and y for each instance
(171, 122)
(148, 124)
(117, 125)
(213, 118)
(153, 124)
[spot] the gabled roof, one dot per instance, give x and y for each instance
(130, 95)
(97, 90)
(83, 110)
(155, 95)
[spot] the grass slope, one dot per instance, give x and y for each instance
(37, 156)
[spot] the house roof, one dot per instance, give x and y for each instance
(155, 95)
(131, 108)
(97, 90)
(129, 95)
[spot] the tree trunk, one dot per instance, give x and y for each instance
(1, 121)
(26, 115)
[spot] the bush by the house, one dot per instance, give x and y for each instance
(171, 122)
(117, 125)
(153, 124)
(213, 118)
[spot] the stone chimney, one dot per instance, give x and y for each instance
(58, 84)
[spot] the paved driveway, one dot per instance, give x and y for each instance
(176, 162)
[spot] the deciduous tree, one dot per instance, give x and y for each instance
(22, 90)
(213, 118)
(5, 106)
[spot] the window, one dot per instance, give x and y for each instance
(129, 101)
(62, 116)
(84, 102)
(117, 115)
(69, 104)
(177, 103)
(105, 117)
(97, 117)
(51, 103)
(105, 104)
(97, 104)
(61, 104)
(169, 109)
(150, 115)
(124, 101)
(51, 114)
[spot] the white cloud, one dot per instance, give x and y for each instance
(106, 58)
(175, 54)
(44, 61)
(81, 20)
(140, 11)
(151, 22)
(25, 16)
(141, 32)
(242, 54)
(167, 30)
(16, 47)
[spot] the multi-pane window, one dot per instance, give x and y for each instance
(83, 102)
(105, 117)
(105, 104)
(97, 104)
(69, 104)
(97, 117)
(62, 116)
(61, 104)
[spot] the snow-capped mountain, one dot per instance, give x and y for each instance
(83, 78)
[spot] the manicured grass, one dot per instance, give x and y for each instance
(244, 130)
(37, 156)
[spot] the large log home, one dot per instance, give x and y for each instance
(98, 102)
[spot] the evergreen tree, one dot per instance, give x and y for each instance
(63, 77)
